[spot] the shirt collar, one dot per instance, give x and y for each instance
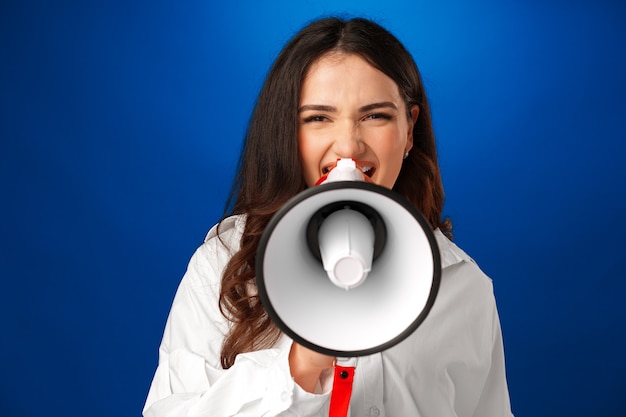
(450, 253)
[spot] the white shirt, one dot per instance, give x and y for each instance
(452, 365)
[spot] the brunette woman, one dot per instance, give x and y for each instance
(339, 89)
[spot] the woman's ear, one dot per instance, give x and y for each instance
(414, 113)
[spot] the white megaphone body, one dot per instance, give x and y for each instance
(348, 268)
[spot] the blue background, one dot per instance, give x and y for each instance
(121, 123)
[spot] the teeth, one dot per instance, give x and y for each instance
(364, 169)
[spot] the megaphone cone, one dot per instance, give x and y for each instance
(396, 288)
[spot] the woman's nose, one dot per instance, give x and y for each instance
(348, 142)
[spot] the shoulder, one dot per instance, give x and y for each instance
(465, 304)
(220, 244)
(460, 270)
(450, 253)
(229, 230)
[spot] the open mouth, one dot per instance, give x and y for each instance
(367, 170)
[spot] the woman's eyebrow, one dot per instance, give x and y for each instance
(366, 108)
(374, 106)
(316, 107)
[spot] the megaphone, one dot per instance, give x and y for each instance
(348, 268)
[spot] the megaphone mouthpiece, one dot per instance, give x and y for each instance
(346, 241)
(345, 169)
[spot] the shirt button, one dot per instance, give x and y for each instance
(284, 396)
(374, 412)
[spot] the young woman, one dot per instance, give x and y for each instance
(339, 89)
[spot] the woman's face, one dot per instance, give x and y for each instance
(349, 109)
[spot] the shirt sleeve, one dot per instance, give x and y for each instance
(189, 381)
(494, 397)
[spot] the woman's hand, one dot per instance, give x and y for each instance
(307, 365)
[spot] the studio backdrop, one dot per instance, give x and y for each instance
(121, 123)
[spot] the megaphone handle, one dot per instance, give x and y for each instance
(342, 391)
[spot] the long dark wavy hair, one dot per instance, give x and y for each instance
(270, 170)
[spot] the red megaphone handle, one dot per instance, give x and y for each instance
(342, 391)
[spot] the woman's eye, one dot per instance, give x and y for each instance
(314, 118)
(378, 116)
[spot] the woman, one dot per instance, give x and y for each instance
(339, 89)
